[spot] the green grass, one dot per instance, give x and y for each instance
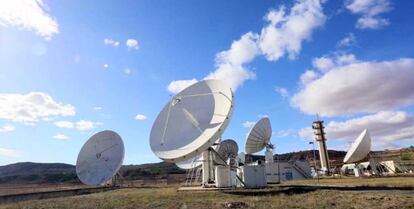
(170, 198)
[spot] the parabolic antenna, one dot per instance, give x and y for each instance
(259, 136)
(359, 149)
(100, 158)
(192, 121)
(195, 161)
(227, 149)
(191, 163)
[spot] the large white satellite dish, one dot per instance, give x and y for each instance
(190, 163)
(196, 161)
(227, 149)
(359, 149)
(259, 136)
(192, 121)
(100, 158)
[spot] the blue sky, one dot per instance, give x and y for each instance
(66, 70)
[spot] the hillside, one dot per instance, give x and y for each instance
(27, 172)
(37, 173)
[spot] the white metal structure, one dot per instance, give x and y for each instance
(192, 121)
(253, 176)
(241, 158)
(100, 158)
(259, 136)
(359, 149)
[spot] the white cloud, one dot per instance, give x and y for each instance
(127, 71)
(84, 125)
(248, 124)
(29, 15)
(5, 152)
(64, 124)
(361, 87)
(263, 116)
(97, 108)
(140, 117)
(106, 66)
(230, 63)
(372, 22)
(348, 40)
(81, 125)
(111, 42)
(385, 127)
(284, 133)
(308, 76)
(7, 128)
(370, 11)
(179, 85)
(60, 137)
(31, 107)
(132, 43)
(286, 32)
(323, 64)
(282, 91)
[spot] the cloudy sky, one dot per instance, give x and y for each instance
(70, 68)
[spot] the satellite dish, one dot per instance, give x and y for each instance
(194, 162)
(192, 121)
(227, 149)
(259, 136)
(100, 158)
(197, 161)
(359, 149)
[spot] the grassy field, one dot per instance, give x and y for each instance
(29, 188)
(401, 181)
(169, 197)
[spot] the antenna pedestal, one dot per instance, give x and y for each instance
(269, 156)
(207, 166)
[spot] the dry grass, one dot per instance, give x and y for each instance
(402, 181)
(170, 198)
(29, 188)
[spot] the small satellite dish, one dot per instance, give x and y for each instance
(100, 158)
(227, 149)
(259, 136)
(359, 149)
(192, 121)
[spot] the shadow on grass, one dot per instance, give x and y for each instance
(262, 192)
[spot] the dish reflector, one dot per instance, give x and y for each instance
(191, 163)
(259, 136)
(192, 121)
(227, 149)
(100, 158)
(359, 149)
(197, 160)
